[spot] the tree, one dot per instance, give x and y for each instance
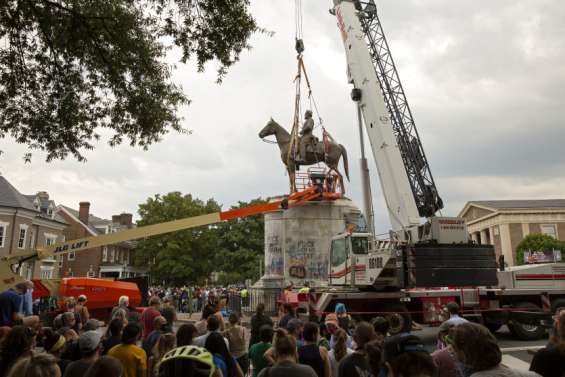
(240, 247)
(537, 242)
(70, 68)
(182, 256)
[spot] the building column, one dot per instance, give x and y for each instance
(505, 244)
(525, 229)
(475, 237)
(484, 237)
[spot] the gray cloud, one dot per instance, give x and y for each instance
(485, 81)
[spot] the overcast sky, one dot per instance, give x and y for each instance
(485, 80)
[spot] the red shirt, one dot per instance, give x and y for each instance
(147, 318)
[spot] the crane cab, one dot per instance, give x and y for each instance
(357, 260)
(352, 263)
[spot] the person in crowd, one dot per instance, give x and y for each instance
(17, 344)
(340, 350)
(374, 354)
(286, 365)
(216, 345)
(169, 312)
(311, 353)
(149, 315)
(331, 327)
(72, 350)
(202, 325)
(324, 337)
(357, 364)
(445, 358)
(454, 318)
(132, 357)
(213, 327)
(289, 314)
(257, 350)
(39, 365)
(165, 343)
(477, 350)
(185, 334)
(68, 322)
(160, 327)
(294, 328)
(4, 330)
(11, 304)
(405, 355)
(343, 319)
(258, 320)
(550, 361)
(71, 304)
(54, 344)
(235, 335)
(105, 366)
(218, 313)
(381, 326)
(113, 335)
(91, 325)
(188, 361)
(82, 310)
(123, 304)
(89, 345)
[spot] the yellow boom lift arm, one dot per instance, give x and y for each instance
(10, 263)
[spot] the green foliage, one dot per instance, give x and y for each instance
(179, 256)
(240, 246)
(234, 248)
(537, 242)
(69, 68)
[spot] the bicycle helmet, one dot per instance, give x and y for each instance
(187, 361)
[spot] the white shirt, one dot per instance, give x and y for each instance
(200, 341)
(334, 364)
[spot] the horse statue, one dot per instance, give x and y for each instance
(330, 153)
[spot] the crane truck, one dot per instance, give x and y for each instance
(428, 260)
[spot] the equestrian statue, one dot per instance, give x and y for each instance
(310, 150)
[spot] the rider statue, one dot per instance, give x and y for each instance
(306, 137)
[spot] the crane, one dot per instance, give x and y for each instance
(424, 248)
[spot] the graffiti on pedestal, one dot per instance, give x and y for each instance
(305, 261)
(274, 263)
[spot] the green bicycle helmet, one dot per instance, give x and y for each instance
(187, 361)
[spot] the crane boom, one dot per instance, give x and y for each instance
(395, 183)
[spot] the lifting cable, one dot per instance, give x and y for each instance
(301, 70)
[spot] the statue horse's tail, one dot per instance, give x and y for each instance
(345, 161)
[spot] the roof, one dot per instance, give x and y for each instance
(520, 204)
(93, 221)
(10, 197)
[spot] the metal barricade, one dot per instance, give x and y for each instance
(269, 297)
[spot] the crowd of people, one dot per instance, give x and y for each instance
(150, 345)
(191, 299)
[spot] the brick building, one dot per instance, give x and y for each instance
(504, 223)
(112, 261)
(26, 222)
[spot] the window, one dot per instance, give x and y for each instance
(3, 227)
(71, 255)
(127, 257)
(22, 237)
(46, 274)
(60, 259)
(338, 252)
(359, 245)
(112, 255)
(50, 239)
(549, 229)
(105, 254)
